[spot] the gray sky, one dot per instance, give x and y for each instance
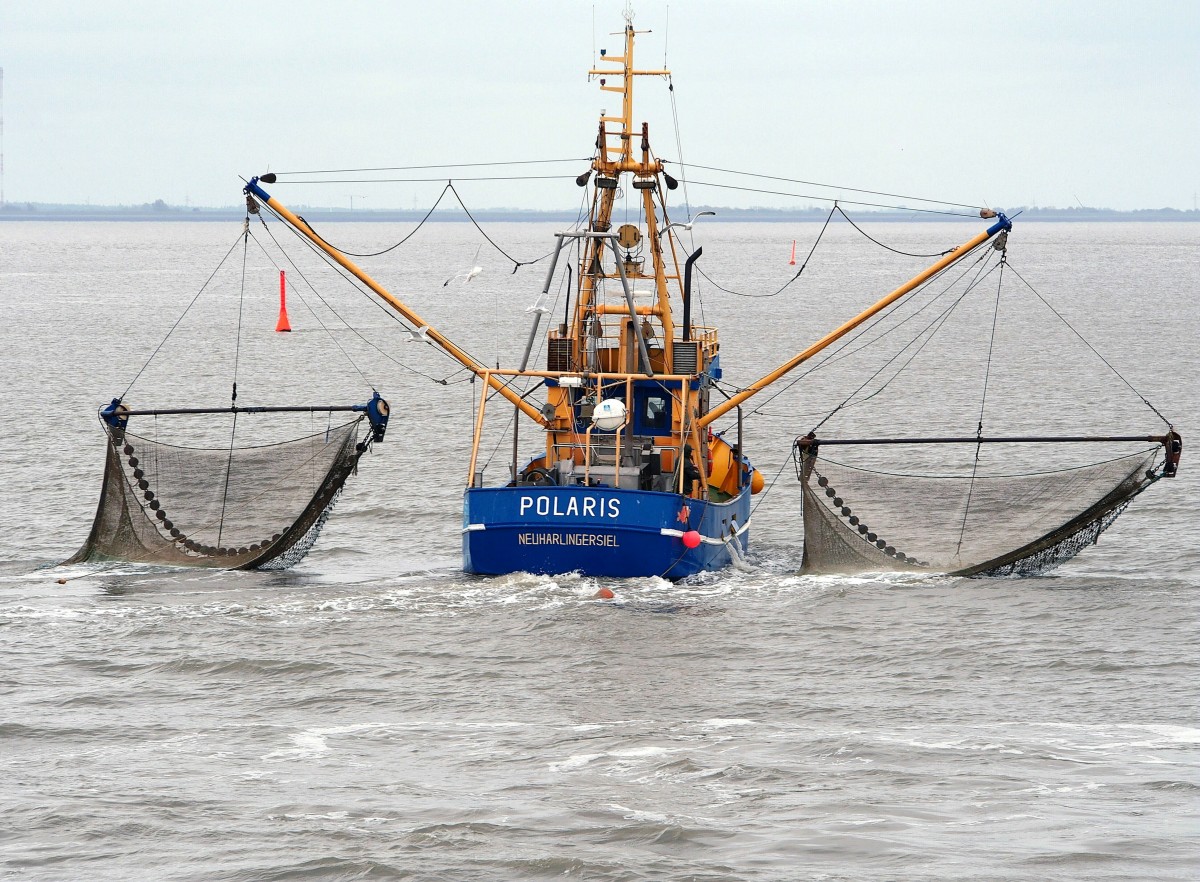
(1012, 103)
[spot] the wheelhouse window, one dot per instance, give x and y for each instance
(655, 414)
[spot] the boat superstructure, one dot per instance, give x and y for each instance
(629, 483)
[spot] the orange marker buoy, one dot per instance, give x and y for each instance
(691, 539)
(282, 324)
(603, 594)
(792, 262)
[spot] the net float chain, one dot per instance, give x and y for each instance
(139, 477)
(863, 529)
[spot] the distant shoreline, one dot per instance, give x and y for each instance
(160, 212)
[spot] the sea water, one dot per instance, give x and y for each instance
(375, 714)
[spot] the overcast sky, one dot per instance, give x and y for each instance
(1047, 102)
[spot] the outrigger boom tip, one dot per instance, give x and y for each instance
(1002, 224)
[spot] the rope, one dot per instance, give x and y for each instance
(683, 178)
(412, 233)
(339, 171)
(763, 496)
(789, 281)
(939, 321)
(237, 346)
(987, 373)
(353, 282)
(1095, 352)
(308, 306)
(435, 180)
(907, 208)
(228, 469)
(516, 264)
(839, 353)
(937, 324)
(192, 303)
(237, 350)
(830, 186)
(880, 244)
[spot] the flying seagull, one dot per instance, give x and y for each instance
(467, 275)
(688, 226)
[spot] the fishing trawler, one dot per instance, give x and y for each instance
(631, 480)
(628, 477)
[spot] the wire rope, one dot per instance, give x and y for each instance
(356, 285)
(308, 306)
(432, 180)
(938, 323)
(839, 351)
(785, 285)
(907, 208)
(987, 373)
(412, 233)
(829, 186)
(186, 309)
(334, 171)
(880, 244)
(1085, 342)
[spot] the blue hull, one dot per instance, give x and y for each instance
(599, 531)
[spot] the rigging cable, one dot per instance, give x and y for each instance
(683, 178)
(186, 309)
(517, 264)
(434, 180)
(907, 208)
(789, 281)
(1095, 352)
(840, 352)
(830, 186)
(886, 247)
(339, 171)
(840, 355)
(308, 306)
(412, 232)
(987, 373)
(237, 350)
(237, 346)
(353, 282)
(940, 321)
